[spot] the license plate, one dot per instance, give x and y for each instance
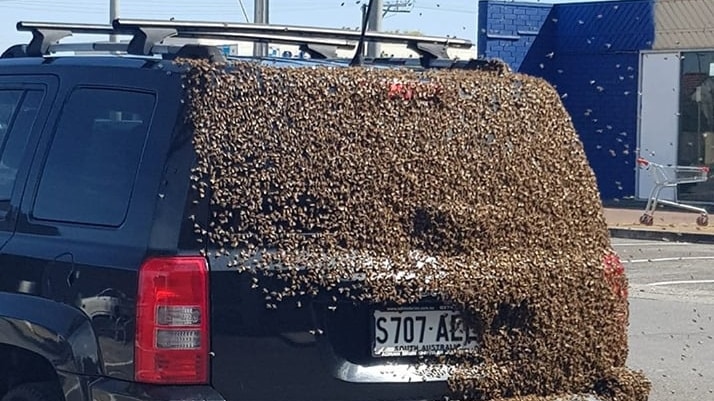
(405, 332)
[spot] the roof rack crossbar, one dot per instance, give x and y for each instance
(291, 30)
(113, 47)
(315, 51)
(71, 27)
(284, 39)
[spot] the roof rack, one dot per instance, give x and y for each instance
(45, 34)
(145, 40)
(425, 46)
(150, 37)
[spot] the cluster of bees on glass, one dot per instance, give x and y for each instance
(471, 186)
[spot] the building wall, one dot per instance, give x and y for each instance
(590, 53)
(684, 24)
(508, 30)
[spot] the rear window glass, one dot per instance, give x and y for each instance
(91, 167)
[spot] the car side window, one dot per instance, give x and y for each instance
(18, 111)
(91, 167)
(9, 100)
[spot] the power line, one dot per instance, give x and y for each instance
(242, 7)
(447, 9)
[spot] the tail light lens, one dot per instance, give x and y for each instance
(172, 338)
(614, 272)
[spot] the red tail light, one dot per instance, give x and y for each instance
(614, 272)
(172, 338)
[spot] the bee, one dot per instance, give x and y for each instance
(474, 189)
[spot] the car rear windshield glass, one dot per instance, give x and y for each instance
(93, 160)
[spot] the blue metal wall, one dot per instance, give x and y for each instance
(590, 53)
(509, 29)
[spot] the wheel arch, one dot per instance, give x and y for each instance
(57, 332)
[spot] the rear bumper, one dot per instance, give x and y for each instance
(115, 390)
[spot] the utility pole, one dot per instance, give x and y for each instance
(261, 11)
(113, 14)
(375, 24)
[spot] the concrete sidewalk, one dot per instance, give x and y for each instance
(667, 226)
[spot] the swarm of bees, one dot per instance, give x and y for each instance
(471, 186)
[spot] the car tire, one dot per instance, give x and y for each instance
(45, 391)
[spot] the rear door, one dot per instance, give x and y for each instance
(25, 102)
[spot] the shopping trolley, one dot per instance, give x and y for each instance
(671, 176)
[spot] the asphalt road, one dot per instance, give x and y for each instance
(671, 316)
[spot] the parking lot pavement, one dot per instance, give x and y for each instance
(667, 225)
(671, 316)
(664, 220)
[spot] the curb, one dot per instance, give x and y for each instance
(670, 236)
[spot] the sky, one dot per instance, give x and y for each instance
(431, 17)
